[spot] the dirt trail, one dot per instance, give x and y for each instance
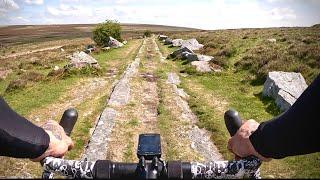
(30, 52)
(139, 114)
(85, 95)
(194, 143)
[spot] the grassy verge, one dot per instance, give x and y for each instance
(240, 93)
(40, 95)
(117, 59)
(165, 123)
(43, 93)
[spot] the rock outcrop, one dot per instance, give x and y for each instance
(202, 66)
(81, 59)
(114, 43)
(177, 42)
(179, 52)
(162, 37)
(167, 41)
(284, 87)
(192, 44)
(198, 57)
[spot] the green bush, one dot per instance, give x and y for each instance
(103, 31)
(147, 33)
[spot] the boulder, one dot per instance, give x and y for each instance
(185, 54)
(177, 42)
(81, 59)
(273, 40)
(114, 43)
(199, 57)
(192, 44)
(167, 41)
(284, 87)
(162, 37)
(173, 78)
(105, 48)
(178, 53)
(202, 66)
(56, 68)
(89, 48)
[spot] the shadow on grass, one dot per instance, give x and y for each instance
(257, 81)
(272, 108)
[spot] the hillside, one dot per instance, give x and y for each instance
(20, 34)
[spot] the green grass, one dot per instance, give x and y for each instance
(128, 154)
(242, 92)
(165, 122)
(81, 130)
(296, 49)
(48, 91)
(116, 57)
(40, 95)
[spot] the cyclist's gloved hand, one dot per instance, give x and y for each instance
(59, 144)
(240, 143)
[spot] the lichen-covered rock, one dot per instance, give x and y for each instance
(191, 44)
(162, 37)
(284, 87)
(167, 41)
(199, 57)
(185, 54)
(98, 144)
(173, 78)
(177, 42)
(81, 59)
(178, 53)
(202, 66)
(114, 43)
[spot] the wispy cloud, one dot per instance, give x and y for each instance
(7, 5)
(36, 2)
(205, 14)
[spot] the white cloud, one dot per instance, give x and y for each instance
(36, 2)
(70, 10)
(282, 14)
(7, 5)
(213, 14)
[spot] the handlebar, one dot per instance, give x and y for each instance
(155, 168)
(68, 120)
(172, 169)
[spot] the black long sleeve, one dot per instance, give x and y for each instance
(296, 131)
(18, 136)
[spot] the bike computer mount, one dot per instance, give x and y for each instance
(149, 154)
(149, 146)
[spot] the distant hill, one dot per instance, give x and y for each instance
(316, 26)
(19, 34)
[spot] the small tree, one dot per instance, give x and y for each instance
(147, 33)
(103, 31)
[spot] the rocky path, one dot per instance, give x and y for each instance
(85, 95)
(133, 110)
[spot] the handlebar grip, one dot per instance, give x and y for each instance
(68, 120)
(232, 121)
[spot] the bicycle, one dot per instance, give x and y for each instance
(150, 165)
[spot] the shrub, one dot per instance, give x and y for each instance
(147, 33)
(24, 79)
(103, 31)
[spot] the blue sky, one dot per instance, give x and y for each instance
(204, 14)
